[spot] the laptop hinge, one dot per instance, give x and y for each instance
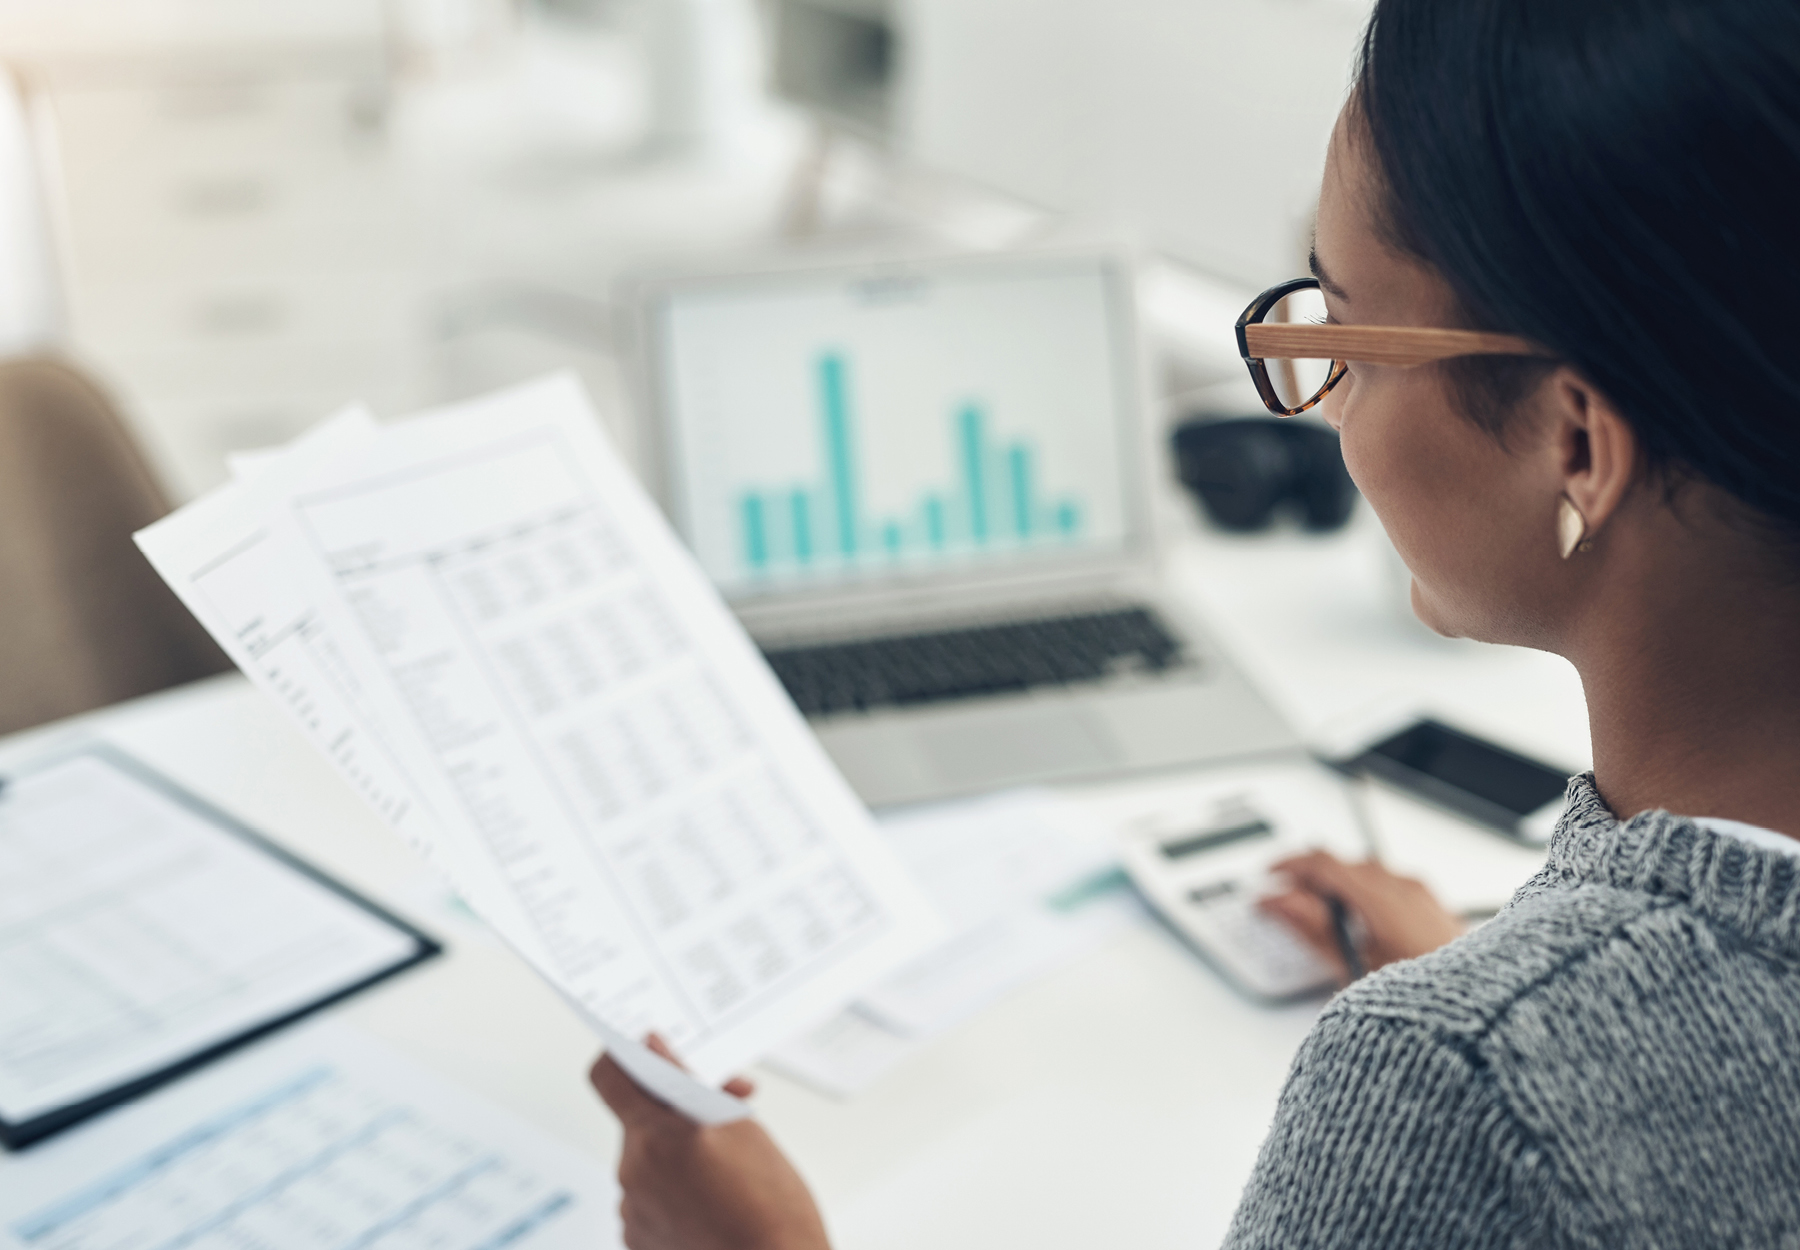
(870, 612)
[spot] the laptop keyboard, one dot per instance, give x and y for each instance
(967, 663)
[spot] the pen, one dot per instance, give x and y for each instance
(1340, 925)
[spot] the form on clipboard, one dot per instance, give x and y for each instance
(144, 933)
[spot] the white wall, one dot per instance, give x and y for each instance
(1201, 123)
(30, 308)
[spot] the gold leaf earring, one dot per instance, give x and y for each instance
(1571, 528)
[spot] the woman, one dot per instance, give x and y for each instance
(1603, 189)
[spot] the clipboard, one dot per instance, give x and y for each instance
(145, 933)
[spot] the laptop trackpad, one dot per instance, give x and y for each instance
(1017, 745)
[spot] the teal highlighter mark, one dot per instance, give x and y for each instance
(1073, 897)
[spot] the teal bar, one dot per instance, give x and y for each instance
(1068, 518)
(834, 393)
(974, 478)
(1018, 460)
(999, 489)
(756, 536)
(803, 546)
(890, 537)
(934, 522)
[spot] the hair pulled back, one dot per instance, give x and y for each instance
(1620, 181)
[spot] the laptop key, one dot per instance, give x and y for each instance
(828, 678)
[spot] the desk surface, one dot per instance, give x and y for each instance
(1119, 1100)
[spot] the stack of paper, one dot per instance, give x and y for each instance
(482, 620)
(1026, 883)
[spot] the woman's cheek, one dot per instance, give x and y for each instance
(1378, 456)
(1362, 427)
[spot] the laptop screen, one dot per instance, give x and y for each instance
(867, 425)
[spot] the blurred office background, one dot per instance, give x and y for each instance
(242, 216)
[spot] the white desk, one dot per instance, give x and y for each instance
(1118, 1102)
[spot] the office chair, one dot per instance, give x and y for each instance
(84, 620)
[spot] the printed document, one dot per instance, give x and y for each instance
(1027, 883)
(485, 623)
(320, 1139)
(1024, 888)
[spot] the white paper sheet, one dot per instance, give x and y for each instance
(134, 932)
(1025, 884)
(320, 1139)
(844, 1055)
(487, 626)
(345, 429)
(1011, 875)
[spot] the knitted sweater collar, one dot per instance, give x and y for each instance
(1743, 888)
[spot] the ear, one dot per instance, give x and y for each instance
(1597, 449)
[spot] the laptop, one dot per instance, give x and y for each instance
(924, 487)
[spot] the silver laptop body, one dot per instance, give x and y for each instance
(894, 461)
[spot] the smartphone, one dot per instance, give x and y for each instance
(1511, 793)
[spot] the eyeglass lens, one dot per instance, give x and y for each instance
(1298, 381)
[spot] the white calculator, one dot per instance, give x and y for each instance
(1203, 862)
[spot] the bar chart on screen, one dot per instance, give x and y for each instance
(994, 499)
(830, 426)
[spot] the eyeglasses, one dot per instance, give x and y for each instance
(1285, 326)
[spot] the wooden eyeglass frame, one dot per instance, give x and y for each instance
(1404, 346)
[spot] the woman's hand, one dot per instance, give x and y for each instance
(691, 1186)
(1398, 917)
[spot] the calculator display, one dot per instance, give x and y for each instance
(1212, 839)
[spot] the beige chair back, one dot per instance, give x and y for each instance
(84, 620)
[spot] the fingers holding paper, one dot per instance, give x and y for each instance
(690, 1186)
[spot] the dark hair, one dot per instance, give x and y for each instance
(1618, 180)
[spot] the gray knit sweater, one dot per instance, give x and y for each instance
(1614, 1060)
